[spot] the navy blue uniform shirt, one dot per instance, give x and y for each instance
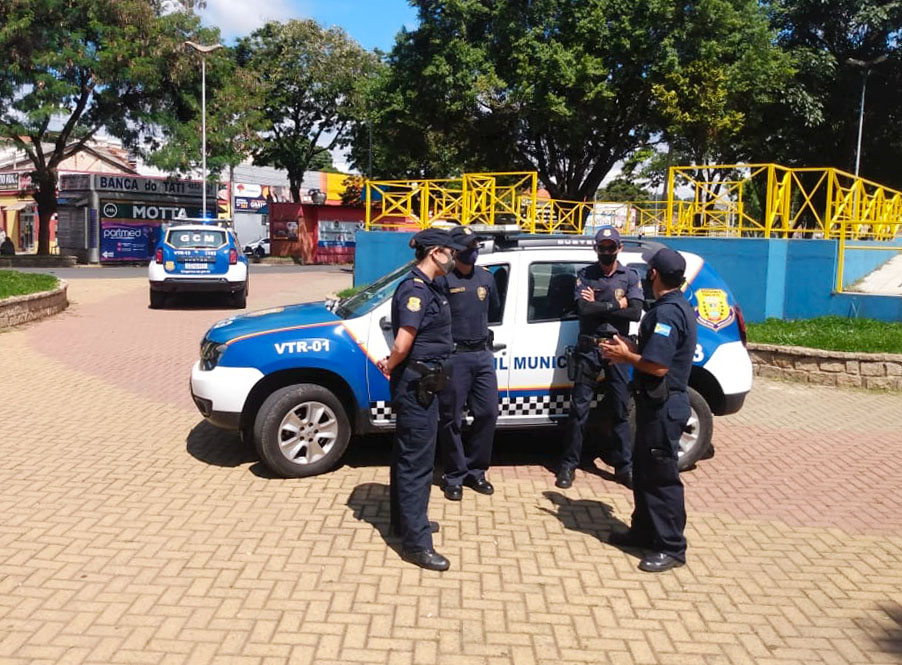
(622, 283)
(472, 297)
(668, 335)
(418, 303)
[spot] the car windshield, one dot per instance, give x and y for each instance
(363, 301)
(196, 239)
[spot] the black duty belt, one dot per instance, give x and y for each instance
(469, 347)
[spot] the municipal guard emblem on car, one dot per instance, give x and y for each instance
(713, 310)
(413, 304)
(482, 292)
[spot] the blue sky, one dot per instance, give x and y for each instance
(373, 23)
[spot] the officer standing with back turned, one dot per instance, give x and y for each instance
(608, 297)
(472, 293)
(421, 323)
(662, 362)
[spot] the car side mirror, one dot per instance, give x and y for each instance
(384, 323)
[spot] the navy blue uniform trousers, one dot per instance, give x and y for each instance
(474, 385)
(616, 451)
(413, 459)
(659, 516)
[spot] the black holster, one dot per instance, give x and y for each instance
(431, 381)
(652, 391)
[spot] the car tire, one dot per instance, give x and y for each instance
(239, 298)
(259, 252)
(301, 430)
(157, 299)
(695, 444)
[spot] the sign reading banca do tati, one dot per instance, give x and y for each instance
(134, 185)
(154, 212)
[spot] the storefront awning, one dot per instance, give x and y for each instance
(18, 205)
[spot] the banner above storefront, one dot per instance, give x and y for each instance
(134, 185)
(147, 211)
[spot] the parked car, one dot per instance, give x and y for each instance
(258, 248)
(193, 258)
(299, 380)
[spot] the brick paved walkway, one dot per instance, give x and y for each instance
(131, 532)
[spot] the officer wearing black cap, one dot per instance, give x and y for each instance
(608, 296)
(472, 293)
(421, 323)
(663, 361)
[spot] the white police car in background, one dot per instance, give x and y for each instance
(299, 380)
(258, 248)
(192, 258)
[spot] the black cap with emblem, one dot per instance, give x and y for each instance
(463, 235)
(434, 237)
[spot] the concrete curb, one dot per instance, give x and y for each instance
(24, 309)
(843, 369)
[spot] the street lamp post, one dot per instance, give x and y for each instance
(203, 50)
(866, 66)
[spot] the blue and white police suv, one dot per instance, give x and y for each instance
(299, 380)
(198, 258)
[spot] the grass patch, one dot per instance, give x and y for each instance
(348, 292)
(830, 333)
(15, 283)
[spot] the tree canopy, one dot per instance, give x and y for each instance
(311, 83)
(72, 69)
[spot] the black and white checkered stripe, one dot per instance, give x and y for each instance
(529, 405)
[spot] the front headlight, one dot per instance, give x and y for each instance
(210, 353)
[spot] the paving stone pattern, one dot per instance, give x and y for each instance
(131, 532)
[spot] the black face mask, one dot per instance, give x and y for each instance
(647, 285)
(606, 258)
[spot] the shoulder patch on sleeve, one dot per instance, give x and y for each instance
(662, 329)
(414, 304)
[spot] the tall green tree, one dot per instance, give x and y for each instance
(311, 91)
(562, 87)
(71, 69)
(816, 121)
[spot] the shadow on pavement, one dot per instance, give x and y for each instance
(200, 301)
(587, 516)
(370, 503)
(891, 641)
(218, 448)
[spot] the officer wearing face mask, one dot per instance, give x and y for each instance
(608, 297)
(472, 293)
(663, 361)
(417, 372)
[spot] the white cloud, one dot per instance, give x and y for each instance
(237, 18)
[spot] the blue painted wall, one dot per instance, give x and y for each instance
(791, 279)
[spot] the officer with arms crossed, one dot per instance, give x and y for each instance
(662, 360)
(472, 294)
(421, 323)
(608, 296)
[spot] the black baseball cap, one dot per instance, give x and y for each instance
(668, 262)
(435, 237)
(607, 232)
(464, 235)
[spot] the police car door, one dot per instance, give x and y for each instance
(539, 390)
(502, 323)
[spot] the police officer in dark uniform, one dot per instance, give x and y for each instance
(473, 295)
(421, 323)
(663, 361)
(608, 297)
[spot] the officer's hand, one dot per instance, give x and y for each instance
(383, 367)
(622, 301)
(617, 350)
(587, 294)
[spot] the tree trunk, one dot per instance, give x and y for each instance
(295, 186)
(45, 196)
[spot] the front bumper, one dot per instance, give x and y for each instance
(220, 393)
(732, 403)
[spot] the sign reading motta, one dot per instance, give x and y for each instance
(135, 185)
(147, 211)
